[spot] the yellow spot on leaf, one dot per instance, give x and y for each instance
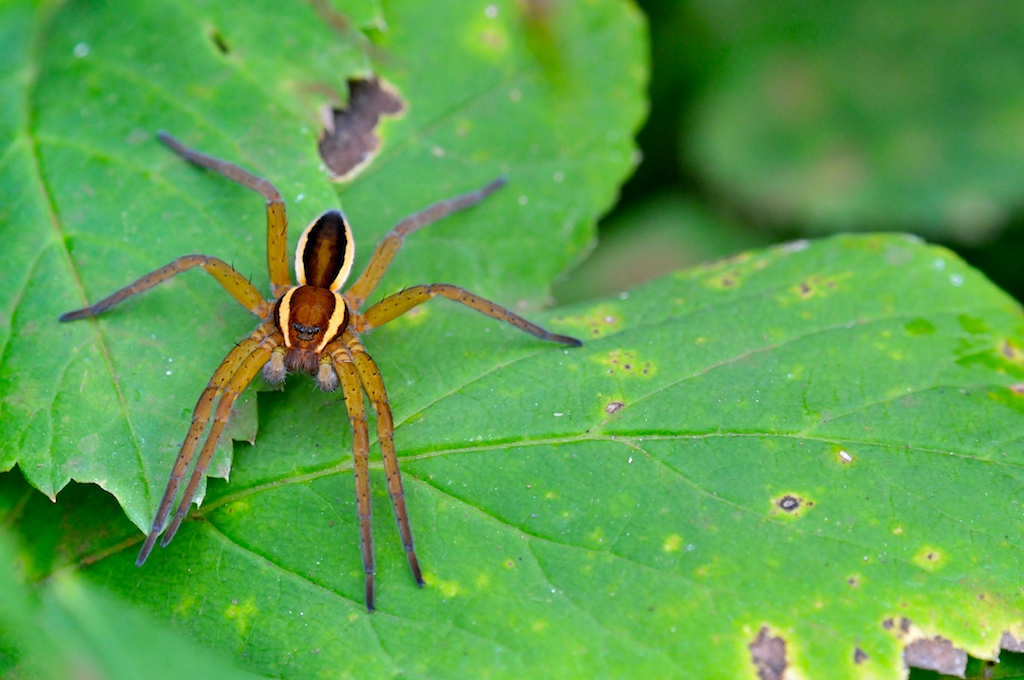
(242, 614)
(815, 286)
(1011, 352)
(185, 605)
(448, 589)
(626, 363)
(929, 558)
(539, 626)
(672, 543)
(487, 37)
(599, 321)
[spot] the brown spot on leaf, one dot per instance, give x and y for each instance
(789, 503)
(1017, 388)
(1011, 643)
(769, 655)
(614, 407)
(219, 42)
(933, 653)
(349, 140)
(936, 654)
(859, 655)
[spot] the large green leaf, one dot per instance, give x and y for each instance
(818, 441)
(93, 201)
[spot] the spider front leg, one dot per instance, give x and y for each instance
(395, 305)
(353, 393)
(373, 384)
(277, 222)
(225, 274)
(392, 242)
(359, 374)
(233, 375)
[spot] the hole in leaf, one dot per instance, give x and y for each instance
(349, 140)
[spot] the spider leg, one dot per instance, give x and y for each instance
(390, 244)
(277, 222)
(200, 415)
(248, 365)
(373, 384)
(353, 392)
(225, 274)
(395, 305)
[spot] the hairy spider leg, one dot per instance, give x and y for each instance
(373, 385)
(251, 365)
(234, 283)
(277, 222)
(228, 368)
(392, 242)
(353, 393)
(395, 305)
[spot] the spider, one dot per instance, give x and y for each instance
(309, 328)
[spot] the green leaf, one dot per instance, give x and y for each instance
(860, 115)
(71, 628)
(93, 201)
(819, 441)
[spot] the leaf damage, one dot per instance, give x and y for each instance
(768, 653)
(927, 652)
(349, 140)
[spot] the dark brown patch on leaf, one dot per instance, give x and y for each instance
(349, 140)
(936, 654)
(769, 655)
(1010, 643)
(859, 655)
(789, 503)
(219, 42)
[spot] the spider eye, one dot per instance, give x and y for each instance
(306, 333)
(324, 255)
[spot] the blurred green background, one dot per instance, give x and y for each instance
(790, 119)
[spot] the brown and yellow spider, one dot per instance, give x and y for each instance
(311, 328)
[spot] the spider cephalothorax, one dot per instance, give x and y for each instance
(312, 328)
